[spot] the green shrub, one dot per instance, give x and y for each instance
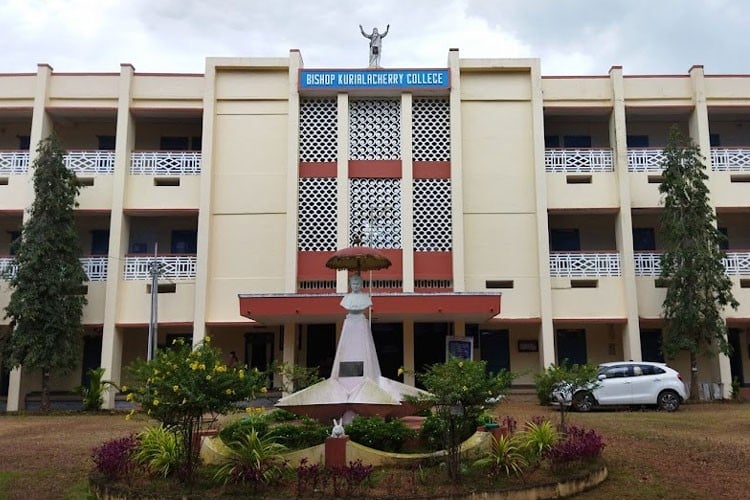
(537, 439)
(296, 436)
(235, 430)
(377, 433)
(575, 375)
(507, 456)
(93, 392)
(433, 432)
(159, 450)
(252, 460)
(281, 415)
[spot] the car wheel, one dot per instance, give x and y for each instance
(583, 401)
(668, 401)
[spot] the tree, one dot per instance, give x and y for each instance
(698, 288)
(459, 391)
(46, 304)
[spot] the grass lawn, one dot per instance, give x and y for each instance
(701, 451)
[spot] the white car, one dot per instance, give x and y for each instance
(633, 383)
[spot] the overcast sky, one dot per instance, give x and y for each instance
(571, 37)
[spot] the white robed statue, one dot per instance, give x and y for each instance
(376, 44)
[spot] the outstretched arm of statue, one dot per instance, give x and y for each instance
(386, 31)
(363, 32)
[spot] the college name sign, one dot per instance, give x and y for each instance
(321, 79)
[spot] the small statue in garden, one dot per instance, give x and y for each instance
(338, 429)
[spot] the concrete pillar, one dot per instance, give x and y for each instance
(16, 400)
(457, 194)
(342, 187)
(408, 339)
(407, 196)
(290, 349)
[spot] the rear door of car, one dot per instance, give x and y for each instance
(645, 384)
(615, 387)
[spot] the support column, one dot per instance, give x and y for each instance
(290, 350)
(342, 188)
(16, 400)
(407, 196)
(408, 339)
(119, 230)
(457, 193)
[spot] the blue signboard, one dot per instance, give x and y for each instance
(338, 79)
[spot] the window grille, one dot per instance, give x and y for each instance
(432, 215)
(317, 130)
(316, 225)
(431, 129)
(375, 129)
(375, 212)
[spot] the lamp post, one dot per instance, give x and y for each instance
(153, 269)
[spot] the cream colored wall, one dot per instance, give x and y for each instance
(602, 192)
(17, 90)
(724, 192)
(525, 364)
(737, 228)
(4, 300)
(742, 295)
(8, 224)
(596, 231)
(605, 301)
(149, 132)
(728, 90)
(650, 298)
(570, 91)
(657, 131)
(94, 89)
(93, 312)
(600, 339)
(594, 126)
(642, 193)
(143, 193)
(492, 252)
(658, 90)
(165, 91)
(731, 133)
(13, 194)
(158, 229)
(98, 196)
(135, 302)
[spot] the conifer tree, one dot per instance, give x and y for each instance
(46, 304)
(698, 288)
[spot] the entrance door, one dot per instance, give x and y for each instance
(92, 357)
(571, 347)
(389, 344)
(321, 347)
(735, 360)
(494, 349)
(651, 346)
(429, 344)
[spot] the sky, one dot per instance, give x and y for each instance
(570, 37)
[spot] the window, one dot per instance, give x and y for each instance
(24, 142)
(106, 142)
(637, 141)
(184, 241)
(174, 143)
(714, 140)
(618, 371)
(100, 242)
(644, 239)
(724, 242)
(577, 141)
(551, 141)
(564, 240)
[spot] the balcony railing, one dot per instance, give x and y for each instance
(172, 267)
(578, 160)
(94, 266)
(578, 264)
(649, 263)
(90, 162)
(730, 159)
(14, 162)
(165, 163)
(645, 159)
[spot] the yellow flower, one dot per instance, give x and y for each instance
(208, 377)
(129, 397)
(202, 366)
(175, 388)
(207, 339)
(229, 391)
(194, 365)
(220, 368)
(124, 388)
(241, 373)
(465, 388)
(156, 402)
(460, 364)
(263, 389)
(184, 400)
(130, 415)
(400, 371)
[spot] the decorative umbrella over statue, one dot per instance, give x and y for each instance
(356, 386)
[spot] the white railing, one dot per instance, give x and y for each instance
(737, 263)
(94, 266)
(647, 263)
(576, 264)
(172, 267)
(165, 163)
(90, 162)
(645, 159)
(578, 160)
(14, 162)
(730, 159)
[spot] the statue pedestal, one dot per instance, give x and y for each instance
(336, 451)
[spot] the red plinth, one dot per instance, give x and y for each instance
(336, 451)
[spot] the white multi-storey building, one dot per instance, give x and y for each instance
(519, 210)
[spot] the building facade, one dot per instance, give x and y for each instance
(519, 210)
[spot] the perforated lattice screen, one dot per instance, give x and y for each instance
(432, 215)
(375, 129)
(316, 226)
(375, 212)
(317, 129)
(431, 125)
